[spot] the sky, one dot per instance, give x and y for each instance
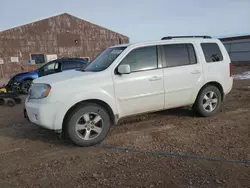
(139, 19)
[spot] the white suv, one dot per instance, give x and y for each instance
(131, 79)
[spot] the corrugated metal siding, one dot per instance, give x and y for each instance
(239, 50)
(64, 35)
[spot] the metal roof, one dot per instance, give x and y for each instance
(235, 38)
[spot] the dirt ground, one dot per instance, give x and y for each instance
(173, 148)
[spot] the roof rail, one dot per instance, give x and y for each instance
(71, 58)
(171, 37)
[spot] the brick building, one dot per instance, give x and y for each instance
(25, 47)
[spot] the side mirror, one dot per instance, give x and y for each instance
(124, 69)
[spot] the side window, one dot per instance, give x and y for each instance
(179, 54)
(51, 66)
(71, 64)
(191, 53)
(142, 59)
(212, 52)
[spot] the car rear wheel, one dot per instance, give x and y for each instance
(1, 101)
(208, 101)
(11, 102)
(88, 124)
(25, 86)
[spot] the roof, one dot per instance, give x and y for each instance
(166, 41)
(235, 38)
(64, 14)
(72, 58)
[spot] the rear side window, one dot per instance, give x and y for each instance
(212, 52)
(71, 64)
(179, 54)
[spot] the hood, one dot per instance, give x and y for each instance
(21, 74)
(62, 76)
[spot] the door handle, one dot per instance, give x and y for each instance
(196, 72)
(154, 78)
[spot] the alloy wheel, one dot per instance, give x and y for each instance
(210, 101)
(89, 126)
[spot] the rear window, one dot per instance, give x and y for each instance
(179, 54)
(212, 52)
(71, 64)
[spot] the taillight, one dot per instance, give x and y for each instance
(230, 69)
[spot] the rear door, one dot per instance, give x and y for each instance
(183, 75)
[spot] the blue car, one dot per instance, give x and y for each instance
(21, 82)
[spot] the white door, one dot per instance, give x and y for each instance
(142, 90)
(183, 76)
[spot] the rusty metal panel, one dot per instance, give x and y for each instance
(68, 39)
(64, 35)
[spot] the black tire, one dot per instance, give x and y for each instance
(25, 86)
(200, 101)
(11, 102)
(1, 101)
(73, 119)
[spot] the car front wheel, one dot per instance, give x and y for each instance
(88, 124)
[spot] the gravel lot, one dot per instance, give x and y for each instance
(173, 148)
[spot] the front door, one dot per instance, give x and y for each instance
(142, 90)
(183, 75)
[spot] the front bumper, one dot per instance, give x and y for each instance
(41, 114)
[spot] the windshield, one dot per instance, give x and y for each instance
(104, 60)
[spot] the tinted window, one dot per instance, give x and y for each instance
(212, 52)
(71, 64)
(179, 54)
(50, 68)
(191, 53)
(142, 59)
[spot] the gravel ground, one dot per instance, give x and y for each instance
(31, 156)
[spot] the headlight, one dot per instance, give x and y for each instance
(39, 91)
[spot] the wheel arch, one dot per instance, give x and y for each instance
(213, 83)
(22, 83)
(103, 104)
